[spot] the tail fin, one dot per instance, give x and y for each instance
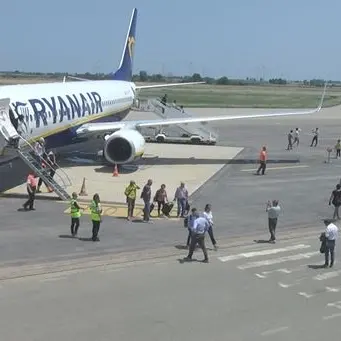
(125, 70)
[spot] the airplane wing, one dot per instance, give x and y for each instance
(91, 128)
(165, 85)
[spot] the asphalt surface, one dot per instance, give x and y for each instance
(299, 179)
(252, 292)
(133, 285)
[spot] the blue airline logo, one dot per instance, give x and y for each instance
(61, 108)
(131, 44)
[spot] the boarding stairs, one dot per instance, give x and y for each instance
(17, 144)
(167, 111)
(60, 180)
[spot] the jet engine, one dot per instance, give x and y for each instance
(123, 146)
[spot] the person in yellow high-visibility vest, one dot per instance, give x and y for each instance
(96, 218)
(75, 214)
(130, 193)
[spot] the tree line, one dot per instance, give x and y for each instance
(143, 76)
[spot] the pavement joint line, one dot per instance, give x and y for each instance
(275, 168)
(275, 331)
(14, 271)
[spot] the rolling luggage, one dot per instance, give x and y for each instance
(167, 208)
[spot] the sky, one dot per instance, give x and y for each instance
(235, 38)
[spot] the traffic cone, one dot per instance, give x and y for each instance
(83, 190)
(115, 171)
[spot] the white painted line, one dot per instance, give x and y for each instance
(274, 168)
(264, 252)
(277, 260)
(330, 289)
(274, 331)
(304, 294)
(336, 305)
(282, 285)
(260, 276)
(327, 275)
(331, 316)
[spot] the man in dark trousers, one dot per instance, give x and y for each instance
(331, 234)
(290, 138)
(31, 186)
(198, 230)
(314, 141)
(263, 156)
(146, 197)
(273, 213)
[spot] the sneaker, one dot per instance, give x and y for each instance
(205, 261)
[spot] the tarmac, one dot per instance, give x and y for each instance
(169, 164)
(133, 283)
(250, 290)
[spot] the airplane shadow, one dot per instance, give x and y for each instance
(316, 266)
(103, 167)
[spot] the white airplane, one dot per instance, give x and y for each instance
(67, 112)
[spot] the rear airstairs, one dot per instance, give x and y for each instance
(19, 145)
(58, 183)
(167, 111)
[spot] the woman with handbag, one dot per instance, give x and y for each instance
(160, 198)
(335, 199)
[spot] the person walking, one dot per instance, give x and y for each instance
(51, 158)
(198, 230)
(335, 199)
(297, 137)
(75, 214)
(331, 234)
(338, 148)
(181, 196)
(160, 198)
(146, 196)
(314, 141)
(188, 222)
(96, 216)
(273, 212)
(31, 186)
(130, 193)
(263, 156)
(290, 139)
(209, 216)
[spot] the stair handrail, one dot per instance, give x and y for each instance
(198, 126)
(57, 169)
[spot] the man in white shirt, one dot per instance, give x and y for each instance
(331, 234)
(273, 212)
(181, 196)
(297, 136)
(198, 229)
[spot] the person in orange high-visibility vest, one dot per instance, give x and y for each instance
(263, 156)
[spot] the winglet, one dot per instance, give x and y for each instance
(322, 97)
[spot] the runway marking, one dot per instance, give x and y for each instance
(297, 282)
(327, 275)
(331, 316)
(331, 289)
(274, 168)
(336, 304)
(274, 331)
(304, 294)
(264, 274)
(120, 211)
(277, 260)
(264, 252)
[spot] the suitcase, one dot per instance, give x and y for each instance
(167, 208)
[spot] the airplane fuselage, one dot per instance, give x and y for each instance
(55, 110)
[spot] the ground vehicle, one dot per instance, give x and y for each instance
(162, 137)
